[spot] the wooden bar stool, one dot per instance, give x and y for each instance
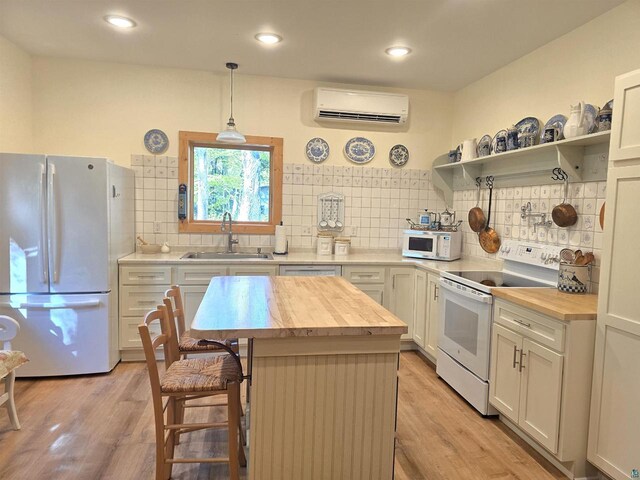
(9, 361)
(186, 343)
(186, 380)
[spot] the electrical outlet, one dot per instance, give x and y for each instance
(306, 231)
(157, 227)
(352, 231)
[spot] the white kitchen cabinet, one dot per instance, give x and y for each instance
(254, 270)
(433, 314)
(614, 441)
(198, 274)
(191, 299)
(369, 279)
(421, 310)
(540, 393)
(504, 379)
(539, 378)
(401, 297)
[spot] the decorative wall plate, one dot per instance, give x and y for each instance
(359, 150)
(501, 133)
(590, 116)
(484, 146)
(528, 126)
(557, 121)
(398, 155)
(317, 150)
(156, 141)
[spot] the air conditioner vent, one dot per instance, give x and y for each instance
(358, 106)
(363, 117)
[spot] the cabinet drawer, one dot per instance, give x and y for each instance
(138, 300)
(363, 274)
(254, 270)
(140, 275)
(198, 274)
(528, 323)
(129, 336)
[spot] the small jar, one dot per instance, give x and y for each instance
(325, 244)
(342, 246)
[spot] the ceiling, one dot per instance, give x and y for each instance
(454, 42)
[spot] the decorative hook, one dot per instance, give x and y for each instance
(478, 181)
(489, 181)
(559, 174)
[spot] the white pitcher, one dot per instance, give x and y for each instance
(576, 125)
(469, 149)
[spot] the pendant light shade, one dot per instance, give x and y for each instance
(230, 134)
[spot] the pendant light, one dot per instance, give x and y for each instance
(230, 134)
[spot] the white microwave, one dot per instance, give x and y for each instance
(432, 244)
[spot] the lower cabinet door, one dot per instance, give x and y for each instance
(433, 315)
(191, 298)
(420, 320)
(541, 393)
(504, 376)
(401, 296)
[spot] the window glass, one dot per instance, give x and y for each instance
(234, 180)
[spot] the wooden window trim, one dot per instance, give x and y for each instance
(185, 175)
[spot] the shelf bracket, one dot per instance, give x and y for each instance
(471, 172)
(570, 160)
(442, 179)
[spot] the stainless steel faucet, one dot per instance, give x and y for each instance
(231, 241)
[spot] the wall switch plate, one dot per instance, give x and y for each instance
(157, 227)
(352, 231)
(306, 231)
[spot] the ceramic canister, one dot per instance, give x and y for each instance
(604, 120)
(325, 245)
(574, 278)
(512, 139)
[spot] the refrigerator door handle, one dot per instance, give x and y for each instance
(53, 219)
(53, 306)
(42, 247)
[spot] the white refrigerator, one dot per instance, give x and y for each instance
(64, 222)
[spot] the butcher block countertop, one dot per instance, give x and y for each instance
(275, 307)
(552, 302)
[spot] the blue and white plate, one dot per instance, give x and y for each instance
(484, 146)
(317, 150)
(398, 155)
(557, 121)
(156, 141)
(359, 150)
(528, 126)
(501, 133)
(591, 117)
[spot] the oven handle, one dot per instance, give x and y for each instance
(465, 292)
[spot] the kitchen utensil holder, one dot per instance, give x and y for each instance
(331, 212)
(574, 278)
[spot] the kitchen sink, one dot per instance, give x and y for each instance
(227, 256)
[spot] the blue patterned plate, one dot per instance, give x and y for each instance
(398, 155)
(317, 150)
(558, 122)
(501, 133)
(484, 146)
(591, 116)
(156, 141)
(359, 150)
(528, 126)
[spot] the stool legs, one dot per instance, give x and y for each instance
(234, 425)
(9, 383)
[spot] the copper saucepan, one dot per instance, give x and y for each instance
(564, 215)
(477, 219)
(489, 238)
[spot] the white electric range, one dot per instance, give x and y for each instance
(466, 314)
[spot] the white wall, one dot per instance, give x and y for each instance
(96, 108)
(15, 98)
(581, 65)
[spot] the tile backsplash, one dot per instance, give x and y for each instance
(377, 202)
(586, 234)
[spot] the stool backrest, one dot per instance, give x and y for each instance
(9, 328)
(178, 308)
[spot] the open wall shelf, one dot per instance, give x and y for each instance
(539, 159)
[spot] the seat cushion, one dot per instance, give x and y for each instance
(200, 374)
(10, 359)
(190, 344)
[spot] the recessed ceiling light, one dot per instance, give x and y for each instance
(398, 51)
(120, 22)
(268, 38)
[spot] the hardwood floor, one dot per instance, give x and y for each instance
(101, 427)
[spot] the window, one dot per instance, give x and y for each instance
(244, 180)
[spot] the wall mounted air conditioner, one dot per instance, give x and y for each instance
(360, 106)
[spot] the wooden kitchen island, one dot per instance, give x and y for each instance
(324, 374)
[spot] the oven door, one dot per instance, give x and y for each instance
(420, 244)
(465, 326)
